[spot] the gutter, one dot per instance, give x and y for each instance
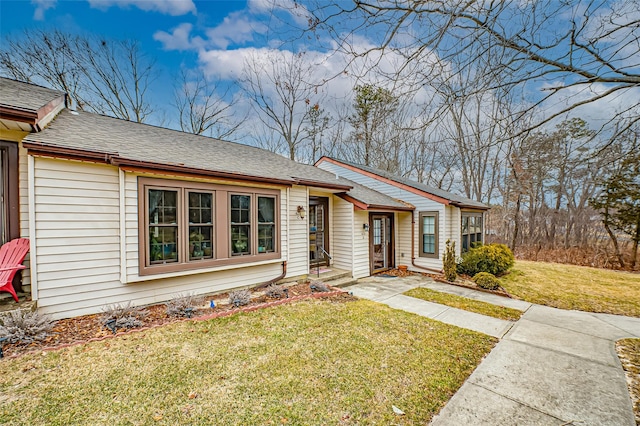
(113, 158)
(364, 206)
(413, 249)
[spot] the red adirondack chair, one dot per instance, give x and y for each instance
(11, 256)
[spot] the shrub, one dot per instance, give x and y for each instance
(239, 297)
(493, 258)
(319, 286)
(125, 316)
(276, 291)
(22, 326)
(486, 280)
(449, 261)
(179, 306)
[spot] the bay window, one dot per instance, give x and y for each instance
(189, 225)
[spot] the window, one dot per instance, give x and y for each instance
(429, 234)
(471, 230)
(266, 224)
(183, 225)
(9, 201)
(163, 226)
(200, 225)
(240, 224)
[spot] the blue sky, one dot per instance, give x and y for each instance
(156, 24)
(214, 37)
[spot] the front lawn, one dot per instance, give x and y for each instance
(465, 303)
(311, 362)
(575, 287)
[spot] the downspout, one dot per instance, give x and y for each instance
(413, 248)
(276, 279)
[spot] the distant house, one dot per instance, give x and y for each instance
(119, 211)
(418, 237)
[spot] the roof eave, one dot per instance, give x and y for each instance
(38, 148)
(360, 205)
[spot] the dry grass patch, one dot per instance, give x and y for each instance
(465, 303)
(629, 353)
(575, 287)
(312, 362)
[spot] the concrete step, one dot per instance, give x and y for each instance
(341, 282)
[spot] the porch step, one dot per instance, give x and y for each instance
(342, 282)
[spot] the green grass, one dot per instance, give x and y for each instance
(575, 287)
(312, 362)
(465, 303)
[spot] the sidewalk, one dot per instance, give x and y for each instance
(552, 367)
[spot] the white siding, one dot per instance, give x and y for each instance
(403, 238)
(360, 245)
(23, 185)
(421, 203)
(343, 234)
(78, 244)
(298, 263)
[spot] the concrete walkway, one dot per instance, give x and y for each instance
(552, 367)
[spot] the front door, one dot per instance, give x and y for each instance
(318, 231)
(381, 242)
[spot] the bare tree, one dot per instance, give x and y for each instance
(281, 92)
(117, 76)
(42, 57)
(106, 76)
(569, 53)
(203, 108)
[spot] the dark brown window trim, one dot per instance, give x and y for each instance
(221, 225)
(435, 214)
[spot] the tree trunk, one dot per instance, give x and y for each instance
(614, 240)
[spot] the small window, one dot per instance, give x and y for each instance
(429, 234)
(471, 230)
(163, 226)
(266, 224)
(200, 225)
(240, 225)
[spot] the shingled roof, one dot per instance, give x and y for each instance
(124, 143)
(456, 200)
(28, 103)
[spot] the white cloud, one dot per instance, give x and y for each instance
(179, 38)
(169, 7)
(41, 7)
(299, 13)
(237, 28)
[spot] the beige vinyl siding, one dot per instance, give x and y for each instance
(403, 238)
(23, 188)
(78, 244)
(343, 234)
(360, 245)
(453, 228)
(298, 263)
(421, 204)
(77, 232)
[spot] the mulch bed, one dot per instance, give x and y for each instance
(463, 281)
(87, 328)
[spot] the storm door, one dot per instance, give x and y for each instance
(318, 231)
(381, 242)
